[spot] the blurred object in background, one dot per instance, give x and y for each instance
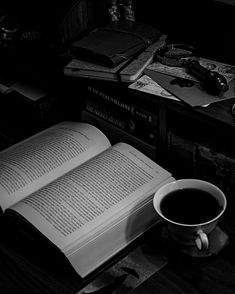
(128, 10)
(9, 28)
(121, 9)
(114, 10)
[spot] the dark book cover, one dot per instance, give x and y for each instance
(115, 43)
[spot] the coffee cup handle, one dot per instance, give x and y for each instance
(202, 241)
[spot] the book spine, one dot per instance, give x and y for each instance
(117, 135)
(136, 123)
(136, 111)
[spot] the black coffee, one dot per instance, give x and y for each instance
(190, 206)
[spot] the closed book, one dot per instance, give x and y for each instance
(126, 71)
(81, 68)
(114, 43)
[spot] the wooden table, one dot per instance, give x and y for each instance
(182, 274)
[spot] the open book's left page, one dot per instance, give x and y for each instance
(33, 163)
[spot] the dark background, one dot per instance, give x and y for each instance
(206, 24)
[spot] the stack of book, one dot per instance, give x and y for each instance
(109, 58)
(117, 52)
(121, 119)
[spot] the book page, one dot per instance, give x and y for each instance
(38, 160)
(86, 200)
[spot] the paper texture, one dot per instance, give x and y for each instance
(228, 71)
(93, 211)
(27, 166)
(189, 92)
(84, 195)
(148, 85)
(116, 181)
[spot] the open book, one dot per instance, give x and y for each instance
(90, 199)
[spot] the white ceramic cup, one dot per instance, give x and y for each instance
(196, 233)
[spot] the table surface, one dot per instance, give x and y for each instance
(182, 274)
